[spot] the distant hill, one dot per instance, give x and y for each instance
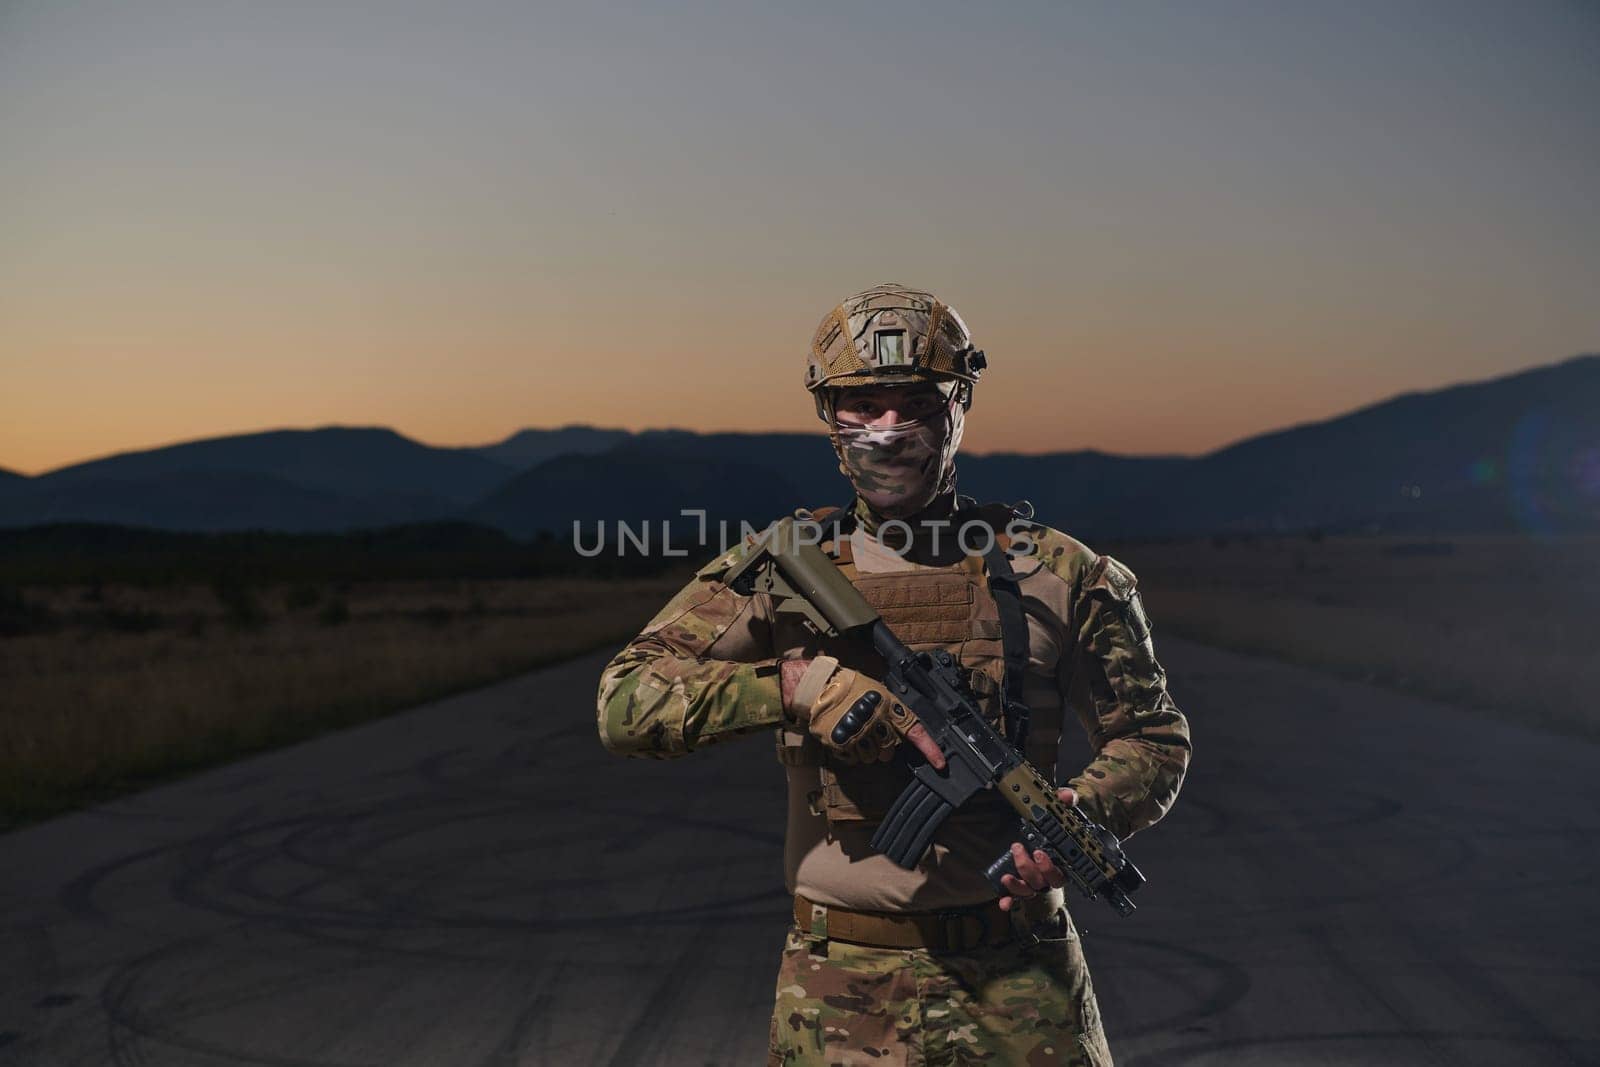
(322, 479)
(337, 459)
(803, 461)
(199, 500)
(636, 487)
(654, 474)
(1090, 493)
(1518, 452)
(526, 447)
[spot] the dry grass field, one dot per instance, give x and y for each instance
(1503, 624)
(105, 688)
(125, 685)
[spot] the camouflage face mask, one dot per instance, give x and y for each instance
(899, 470)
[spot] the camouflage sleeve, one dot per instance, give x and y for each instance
(701, 671)
(1140, 737)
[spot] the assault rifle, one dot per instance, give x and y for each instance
(802, 580)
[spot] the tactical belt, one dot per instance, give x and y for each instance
(957, 930)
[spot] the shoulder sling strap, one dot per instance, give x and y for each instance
(1013, 640)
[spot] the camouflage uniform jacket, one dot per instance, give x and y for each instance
(705, 669)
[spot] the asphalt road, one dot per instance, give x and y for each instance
(1350, 877)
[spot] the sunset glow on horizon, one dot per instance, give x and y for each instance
(1169, 229)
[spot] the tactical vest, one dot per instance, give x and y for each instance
(971, 610)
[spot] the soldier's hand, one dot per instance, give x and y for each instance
(1035, 873)
(880, 720)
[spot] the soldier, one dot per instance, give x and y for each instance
(885, 965)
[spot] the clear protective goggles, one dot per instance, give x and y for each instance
(928, 405)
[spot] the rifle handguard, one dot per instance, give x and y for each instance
(1081, 871)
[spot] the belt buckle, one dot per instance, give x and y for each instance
(1054, 924)
(1023, 928)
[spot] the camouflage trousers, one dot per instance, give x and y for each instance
(845, 1004)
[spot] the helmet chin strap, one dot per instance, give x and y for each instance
(829, 395)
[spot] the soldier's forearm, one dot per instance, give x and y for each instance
(668, 706)
(1133, 782)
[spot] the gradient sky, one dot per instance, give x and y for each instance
(1170, 225)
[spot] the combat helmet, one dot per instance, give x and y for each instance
(889, 335)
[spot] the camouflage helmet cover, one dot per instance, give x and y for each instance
(892, 335)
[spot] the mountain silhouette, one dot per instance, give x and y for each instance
(191, 499)
(1517, 452)
(635, 487)
(1521, 451)
(335, 459)
(526, 447)
(804, 461)
(322, 479)
(1088, 492)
